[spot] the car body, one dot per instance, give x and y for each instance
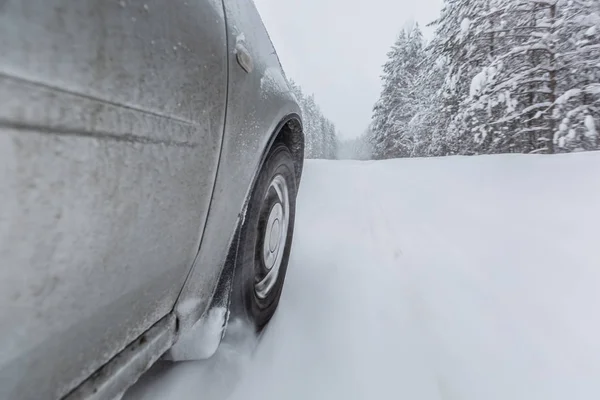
(130, 136)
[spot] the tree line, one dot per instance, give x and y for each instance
(498, 76)
(319, 132)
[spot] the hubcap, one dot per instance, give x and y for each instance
(274, 235)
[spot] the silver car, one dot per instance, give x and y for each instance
(150, 155)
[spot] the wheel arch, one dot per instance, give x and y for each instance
(289, 132)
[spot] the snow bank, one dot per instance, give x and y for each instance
(457, 278)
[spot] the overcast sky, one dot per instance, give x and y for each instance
(335, 49)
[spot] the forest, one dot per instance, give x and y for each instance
(498, 76)
(320, 133)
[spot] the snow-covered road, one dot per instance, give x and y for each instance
(457, 279)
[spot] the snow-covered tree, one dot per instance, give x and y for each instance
(577, 108)
(427, 126)
(382, 125)
(498, 76)
(319, 132)
(537, 90)
(508, 108)
(398, 102)
(330, 141)
(463, 41)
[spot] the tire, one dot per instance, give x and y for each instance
(266, 240)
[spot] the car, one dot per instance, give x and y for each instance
(150, 157)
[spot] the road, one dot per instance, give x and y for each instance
(456, 279)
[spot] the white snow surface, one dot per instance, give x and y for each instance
(425, 279)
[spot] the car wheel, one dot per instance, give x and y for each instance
(266, 239)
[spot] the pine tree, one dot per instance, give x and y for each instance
(500, 76)
(577, 109)
(463, 42)
(331, 141)
(319, 132)
(427, 125)
(397, 105)
(382, 123)
(509, 107)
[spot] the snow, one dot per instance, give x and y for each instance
(591, 31)
(270, 82)
(433, 279)
(478, 83)
(240, 43)
(202, 340)
(465, 25)
(593, 89)
(590, 126)
(480, 80)
(562, 141)
(240, 38)
(567, 96)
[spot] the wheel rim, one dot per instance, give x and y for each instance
(274, 236)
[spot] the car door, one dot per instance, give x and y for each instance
(111, 123)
